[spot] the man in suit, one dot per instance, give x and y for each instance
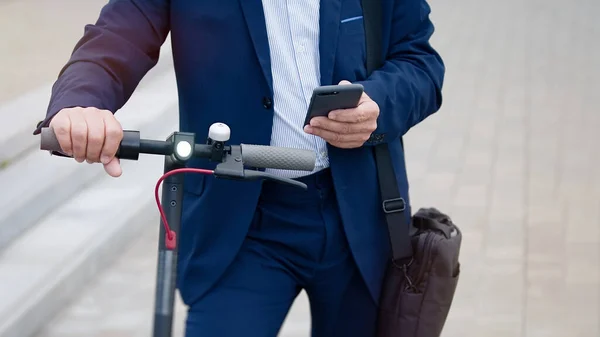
(247, 249)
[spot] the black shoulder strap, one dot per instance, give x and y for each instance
(392, 203)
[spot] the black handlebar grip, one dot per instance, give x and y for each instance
(261, 156)
(48, 140)
(129, 147)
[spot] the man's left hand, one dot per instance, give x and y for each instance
(347, 128)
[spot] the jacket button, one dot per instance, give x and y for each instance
(267, 103)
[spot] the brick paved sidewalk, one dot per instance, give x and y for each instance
(512, 156)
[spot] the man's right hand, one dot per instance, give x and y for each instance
(89, 134)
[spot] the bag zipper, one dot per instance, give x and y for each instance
(425, 259)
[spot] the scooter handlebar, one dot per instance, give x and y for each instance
(257, 156)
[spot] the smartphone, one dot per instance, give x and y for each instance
(332, 97)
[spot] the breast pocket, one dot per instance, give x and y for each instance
(351, 52)
(352, 25)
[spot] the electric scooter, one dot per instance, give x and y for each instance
(237, 162)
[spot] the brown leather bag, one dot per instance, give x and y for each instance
(422, 276)
(417, 294)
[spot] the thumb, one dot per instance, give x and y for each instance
(344, 82)
(113, 167)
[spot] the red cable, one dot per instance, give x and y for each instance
(170, 237)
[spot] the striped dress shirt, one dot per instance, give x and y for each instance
(293, 33)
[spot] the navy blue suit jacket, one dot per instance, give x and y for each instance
(221, 46)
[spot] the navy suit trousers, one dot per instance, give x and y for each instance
(296, 241)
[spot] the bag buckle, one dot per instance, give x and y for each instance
(393, 205)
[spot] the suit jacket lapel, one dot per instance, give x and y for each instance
(255, 19)
(329, 23)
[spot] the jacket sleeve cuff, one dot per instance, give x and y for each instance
(378, 94)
